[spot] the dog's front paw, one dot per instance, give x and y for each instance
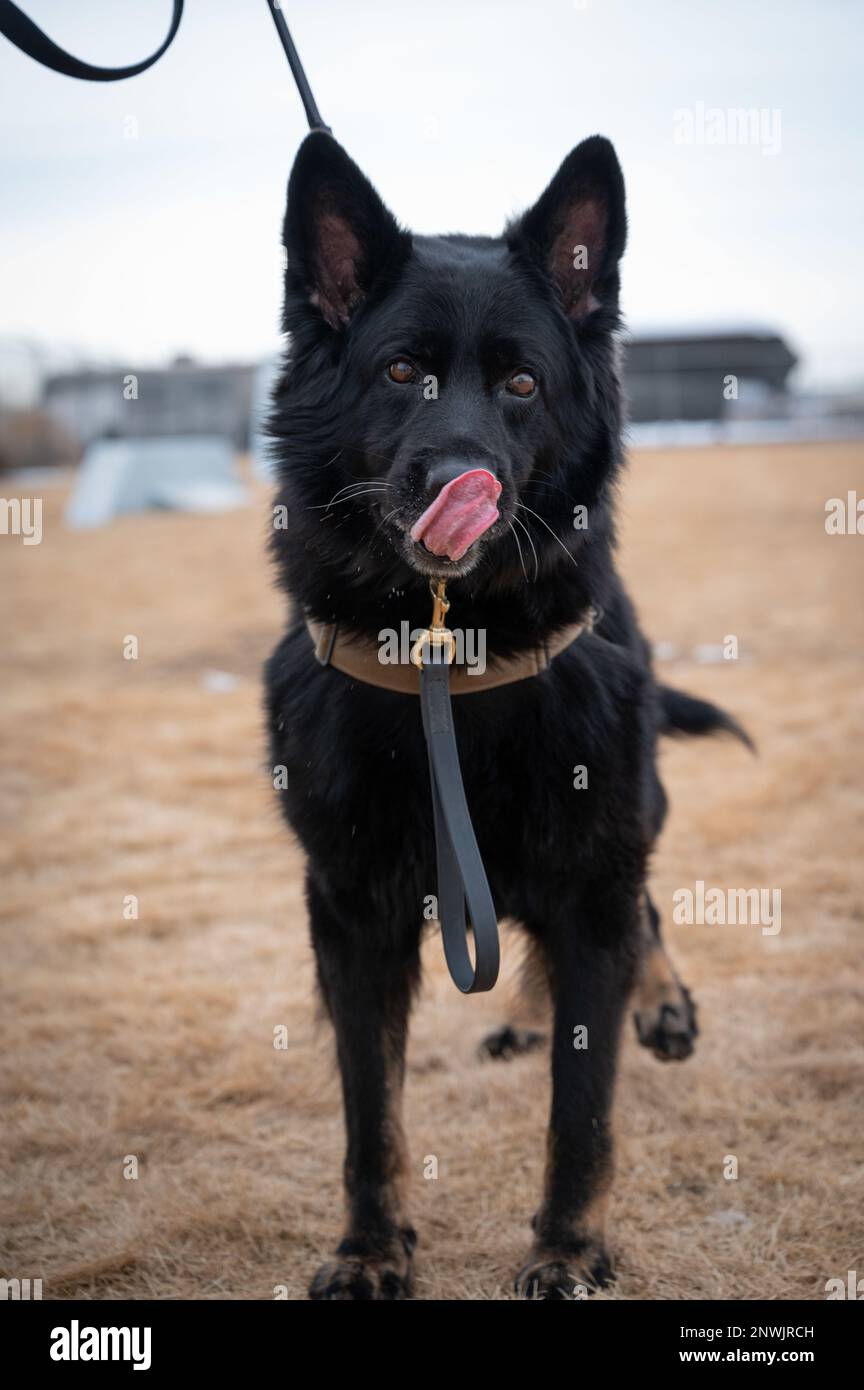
(508, 1042)
(548, 1275)
(359, 1271)
(668, 1026)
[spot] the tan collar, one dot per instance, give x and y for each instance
(359, 657)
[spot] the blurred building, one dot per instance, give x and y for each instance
(183, 399)
(706, 376)
(725, 378)
(668, 376)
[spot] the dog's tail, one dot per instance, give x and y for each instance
(684, 714)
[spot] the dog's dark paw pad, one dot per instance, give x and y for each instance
(670, 1029)
(355, 1274)
(350, 1280)
(508, 1042)
(547, 1278)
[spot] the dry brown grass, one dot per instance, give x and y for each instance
(155, 1037)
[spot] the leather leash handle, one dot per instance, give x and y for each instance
(461, 875)
(27, 36)
(20, 30)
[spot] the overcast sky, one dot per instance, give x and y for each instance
(459, 111)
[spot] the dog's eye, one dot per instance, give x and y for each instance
(400, 370)
(522, 384)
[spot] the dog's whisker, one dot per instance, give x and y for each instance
(532, 545)
(555, 537)
(330, 461)
(348, 497)
(519, 548)
(355, 483)
(362, 492)
(362, 482)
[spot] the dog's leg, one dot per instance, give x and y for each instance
(593, 957)
(367, 990)
(664, 1014)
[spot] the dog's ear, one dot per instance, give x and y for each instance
(338, 235)
(577, 229)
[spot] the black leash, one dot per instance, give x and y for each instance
(461, 876)
(20, 30)
(313, 115)
(27, 36)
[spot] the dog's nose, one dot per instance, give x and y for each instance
(445, 470)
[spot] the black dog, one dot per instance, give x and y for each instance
(413, 361)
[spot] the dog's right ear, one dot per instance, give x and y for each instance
(339, 236)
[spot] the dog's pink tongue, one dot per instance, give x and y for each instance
(462, 511)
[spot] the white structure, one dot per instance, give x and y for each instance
(192, 473)
(266, 376)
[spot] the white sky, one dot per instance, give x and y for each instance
(459, 113)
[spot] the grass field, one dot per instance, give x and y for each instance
(153, 1037)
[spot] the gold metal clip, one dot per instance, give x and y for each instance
(437, 634)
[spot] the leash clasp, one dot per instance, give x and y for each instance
(437, 634)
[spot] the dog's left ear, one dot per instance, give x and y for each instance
(339, 236)
(577, 229)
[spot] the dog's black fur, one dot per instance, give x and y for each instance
(354, 451)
